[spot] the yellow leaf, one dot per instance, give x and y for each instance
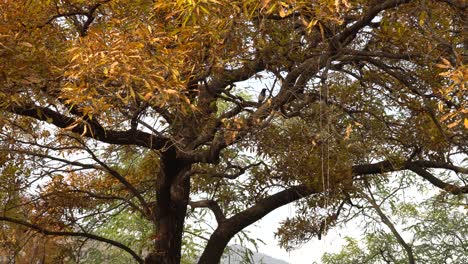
(112, 67)
(345, 3)
(132, 93)
(322, 31)
(441, 106)
(447, 116)
(264, 3)
(442, 66)
(349, 129)
(337, 5)
(466, 123)
(230, 137)
(303, 21)
(312, 23)
(26, 44)
(73, 49)
(148, 96)
(422, 18)
(282, 13)
(33, 79)
(171, 91)
(446, 62)
(455, 123)
(75, 57)
(358, 124)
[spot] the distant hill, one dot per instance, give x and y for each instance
(238, 254)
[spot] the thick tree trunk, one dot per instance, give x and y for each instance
(216, 245)
(172, 195)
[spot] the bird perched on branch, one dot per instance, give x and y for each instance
(262, 95)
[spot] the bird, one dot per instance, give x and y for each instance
(262, 96)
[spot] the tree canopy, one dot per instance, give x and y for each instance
(147, 111)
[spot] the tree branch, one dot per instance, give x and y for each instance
(349, 33)
(102, 166)
(451, 188)
(418, 167)
(72, 234)
(228, 228)
(213, 206)
(240, 171)
(97, 132)
(454, 3)
(121, 179)
(389, 224)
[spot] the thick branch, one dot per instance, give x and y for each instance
(418, 167)
(451, 188)
(130, 137)
(228, 228)
(212, 205)
(72, 234)
(349, 33)
(294, 82)
(439, 165)
(239, 171)
(227, 77)
(381, 54)
(294, 85)
(82, 27)
(456, 3)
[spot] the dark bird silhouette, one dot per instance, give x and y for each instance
(262, 95)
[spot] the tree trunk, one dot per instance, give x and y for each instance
(172, 195)
(216, 245)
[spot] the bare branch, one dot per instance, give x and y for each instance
(389, 224)
(121, 179)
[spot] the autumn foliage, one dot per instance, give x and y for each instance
(147, 110)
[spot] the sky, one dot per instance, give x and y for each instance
(334, 240)
(309, 252)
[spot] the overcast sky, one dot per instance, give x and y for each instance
(308, 253)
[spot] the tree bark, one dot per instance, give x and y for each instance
(230, 227)
(172, 196)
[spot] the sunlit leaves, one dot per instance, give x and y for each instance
(455, 92)
(122, 64)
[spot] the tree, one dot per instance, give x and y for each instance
(355, 90)
(436, 226)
